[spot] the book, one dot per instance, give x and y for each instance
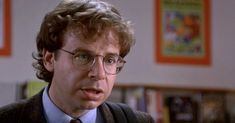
(136, 99)
(154, 104)
(182, 109)
(33, 87)
(213, 108)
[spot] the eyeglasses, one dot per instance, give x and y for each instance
(112, 64)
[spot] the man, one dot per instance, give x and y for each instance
(81, 48)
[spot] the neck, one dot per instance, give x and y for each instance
(64, 105)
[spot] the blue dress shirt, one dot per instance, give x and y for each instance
(54, 115)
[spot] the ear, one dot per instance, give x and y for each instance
(48, 60)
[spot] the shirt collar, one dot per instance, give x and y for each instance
(54, 115)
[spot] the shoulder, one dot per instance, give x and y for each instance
(11, 111)
(21, 110)
(119, 110)
(143, 117)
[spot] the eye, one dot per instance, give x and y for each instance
(110, 59)
(82, 58)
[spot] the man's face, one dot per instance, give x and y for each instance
(72, 88)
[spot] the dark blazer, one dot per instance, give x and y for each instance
(31, 111)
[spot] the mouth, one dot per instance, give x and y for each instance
(91, 93)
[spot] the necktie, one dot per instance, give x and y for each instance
(75, 121)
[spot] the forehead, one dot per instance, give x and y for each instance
(106, 40)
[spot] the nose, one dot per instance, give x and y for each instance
(97, 71)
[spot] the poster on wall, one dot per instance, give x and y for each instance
(183, 31)
(5, 28)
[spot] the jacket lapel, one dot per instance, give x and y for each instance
(106, 113)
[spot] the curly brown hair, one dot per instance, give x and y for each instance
(90, 17)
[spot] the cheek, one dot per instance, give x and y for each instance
(68, 75)
(75, 78)
(110, 84)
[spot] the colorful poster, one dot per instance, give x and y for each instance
(183, 31)
(5, 28)
(1, 24)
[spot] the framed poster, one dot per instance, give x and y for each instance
(5, 28)
(183, 31)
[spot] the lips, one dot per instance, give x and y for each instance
(93, 91)
(91, 94)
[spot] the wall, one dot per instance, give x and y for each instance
(141, 67)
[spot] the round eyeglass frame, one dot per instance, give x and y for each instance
(119, 66)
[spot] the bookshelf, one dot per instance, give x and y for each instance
(174, 88)
(174, 104)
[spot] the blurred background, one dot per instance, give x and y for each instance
(172, 87)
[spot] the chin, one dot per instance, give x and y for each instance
(90, 105)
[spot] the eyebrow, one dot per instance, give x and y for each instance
(91, 52)
(82, 50)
